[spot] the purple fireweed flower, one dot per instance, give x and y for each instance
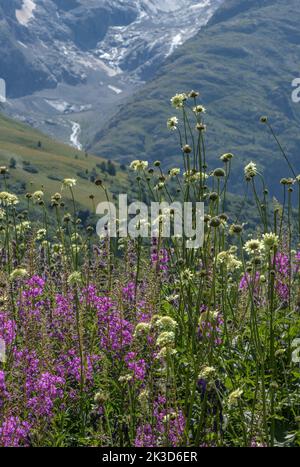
(35, 286)
(7, 329)
(249, 281)
(68, 367)
(14, 432)
(211, 327)
(115, 332)
(3, 392)
(137, 366)
(283, 270)
(167, 423)
(46, 389)
(129, 292)
(145, 437)
(159, 258)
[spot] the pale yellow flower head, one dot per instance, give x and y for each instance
(69, 182)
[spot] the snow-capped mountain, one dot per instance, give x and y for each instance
(65, 60)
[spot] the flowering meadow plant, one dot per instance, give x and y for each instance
(148, 343)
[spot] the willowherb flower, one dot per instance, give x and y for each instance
(172, 123)
(226, 157)
(125, 378)
(3, 170)
(142, 329)
(138, 165)
(186, 276)
(229, 260)
(234, 396)
(287, 181)
(69, 182)
(178, 100)
(8, 199)
(75, 278)
(166, 352)
(270, 240)
(145, 437)
(101, 397)
(201, 126)
(250, 170)
(14, 432)
(41, 234)
(37, 196)
(207, 372)
(137, 366)
(172, 298)
(144, 398)
(194, 176)
(7, 330)
(236, 229)
(166, 339)
(23, 226)
(159, 186)
(18, 273)
(56, 197)
(193, 94)
(174, 172)
(253, 246)
(198, 109)
(166, 323)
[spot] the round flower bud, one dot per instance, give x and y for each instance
(201, 127)
(193, 94)
(226, 157)
(187, 149)
(219, 173)
(236, 228)
(223, 217)
(213, 196)
(215, 222)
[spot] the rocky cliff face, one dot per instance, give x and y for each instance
(73, 56)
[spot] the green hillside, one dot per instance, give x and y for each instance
(243, 63)
(35, 160)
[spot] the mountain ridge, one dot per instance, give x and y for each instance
(243, 66)
(78, 61)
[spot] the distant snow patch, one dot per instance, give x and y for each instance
(67, 108)
(176, 42)
(25, 14)
(59, 105)
(22, 44)
(113, 88)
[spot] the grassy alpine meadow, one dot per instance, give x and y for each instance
(120, 342)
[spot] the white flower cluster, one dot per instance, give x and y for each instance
(138, 165)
